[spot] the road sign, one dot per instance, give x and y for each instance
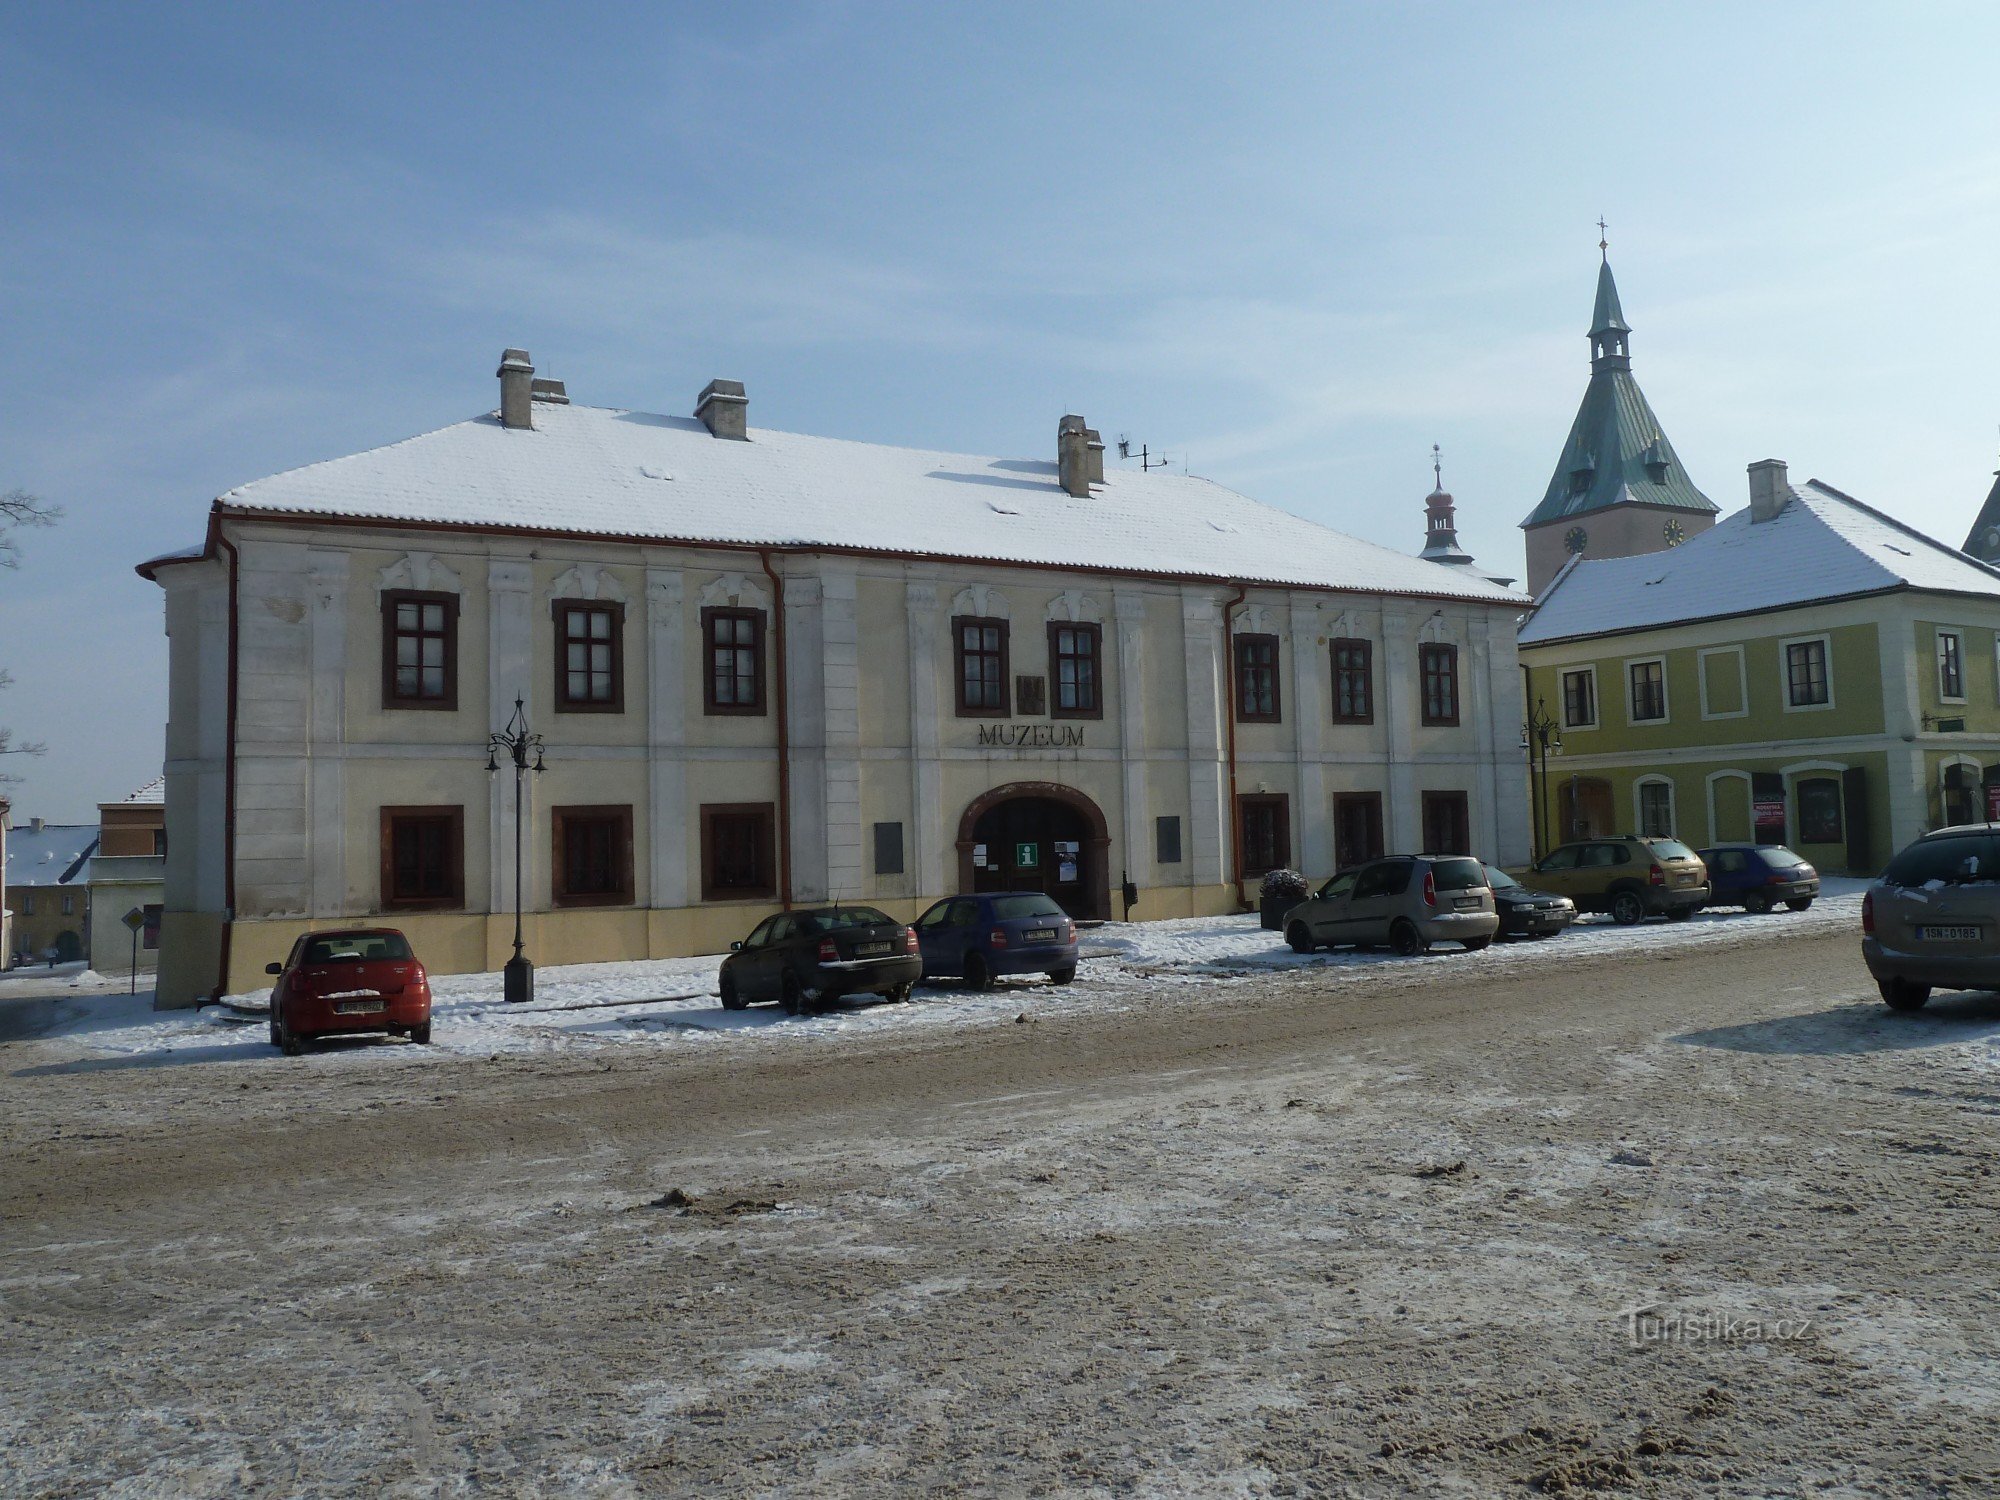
(134, 919)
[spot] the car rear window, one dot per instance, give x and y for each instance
(1458, 874)
(1778, 857)
(357, 948)
(1670, 849)
(1945, 859)
(846, 917)
(1012, 908)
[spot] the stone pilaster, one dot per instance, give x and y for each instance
(666, 738)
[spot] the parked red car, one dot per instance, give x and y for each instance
(359, 979)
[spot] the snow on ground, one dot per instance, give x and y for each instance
(673, 1001)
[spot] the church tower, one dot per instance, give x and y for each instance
(1441, 527)
(1619, 489)
(1983, 541)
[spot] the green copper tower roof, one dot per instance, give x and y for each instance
(1983, 541)
(1616, 453)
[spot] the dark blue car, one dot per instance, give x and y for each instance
(980, 938)
(1757, 877)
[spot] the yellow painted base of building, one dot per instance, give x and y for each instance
(474, 943)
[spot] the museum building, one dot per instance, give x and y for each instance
(769, 670)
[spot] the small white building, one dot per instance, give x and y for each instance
(772, 668)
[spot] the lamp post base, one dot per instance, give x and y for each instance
(518, 980)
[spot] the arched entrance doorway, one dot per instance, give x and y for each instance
(1038, 836)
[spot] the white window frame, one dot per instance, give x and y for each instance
(1742, 681)
(1639, 804)
(1937, 664)
(1825, 640)
(1596, 702)
(1666, 698)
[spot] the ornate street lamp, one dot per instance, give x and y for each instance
(1541, 738)
(519, 745)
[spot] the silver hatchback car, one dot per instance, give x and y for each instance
(1407, 901)
(1933, 920)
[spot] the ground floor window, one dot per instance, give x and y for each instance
(1656, 810)
(1961, 798)
(738, 852)
(1447, 823)
(423, 858)
(1167, 840)
(149, 935)
(1265, 823)
(1819, 811)
(1357, 828)
(888, 848)
(592, 864)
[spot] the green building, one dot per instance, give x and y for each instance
(1809, 671)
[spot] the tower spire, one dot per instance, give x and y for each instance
(1603, 240)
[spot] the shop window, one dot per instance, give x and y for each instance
(733, 646)
(419, 650)
(590, 658)
(423, 858)
(1819, 811)
(592, 864)
(738, 852)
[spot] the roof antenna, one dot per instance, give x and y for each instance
(1146, 459)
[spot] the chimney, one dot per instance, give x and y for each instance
(1769, 489)
(1073, 456)
(724, 410)
(36, 825)
(1094, 446)
(517, 376)
(551, 391)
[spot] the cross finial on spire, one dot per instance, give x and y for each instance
(1603, 238)
(1437, 464)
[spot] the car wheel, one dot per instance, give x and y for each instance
(1300, 937)
(1628, 908)
(1063, 975)
(1903, 994)
(789, 997)
(900, 994)
(730, 999)
(978, 973)
(277, 1038)
(1680, 913)
(289, 1041)
(1474, 945)
(421, 1033)
(1406, 940)
(1757, 904)
(1801, 904)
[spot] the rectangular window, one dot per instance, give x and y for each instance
(733, 648)
(1074, 652)
(1357, 828)
(1167, 840)
(28, 904)
(419, 650)
(423, 858)
(1656, 810)
(979, 658)
(1649, 690)
(1439, 666)
(1819, 811)
(1579, 699)
(1951, 665)
(592, 856)
(738, 852)
(69, 903)
(1447, 823)
(1257, 695)
(1353, 682)
(1805, 673)
(149, 933)
(888, 848)
(1265, 825)
(160, 842)
(590, 657)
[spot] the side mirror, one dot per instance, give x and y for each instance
(274, 968)
(735, 947)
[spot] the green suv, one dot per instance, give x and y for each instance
(1633, 878)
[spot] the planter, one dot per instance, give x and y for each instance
(1273, 909)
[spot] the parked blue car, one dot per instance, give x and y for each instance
(980, 938)
(1757, 877)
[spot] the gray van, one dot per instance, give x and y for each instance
(1933, 920)
(1408, 902)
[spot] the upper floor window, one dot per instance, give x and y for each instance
(419, 650)
(1257, 695)
(979, 654)
(1579, 698)
(1805, 674)
(1073, 657)
(1439, 667)
(1951, 665)
(733, 645)
(1649, 690)
(1353, 682)
(590, 657)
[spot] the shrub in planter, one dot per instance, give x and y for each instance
(1282, 890)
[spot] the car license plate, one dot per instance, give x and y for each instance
(1040, 935)
(870, 950)
(355, 1007)
(1466, 903)
(1949, 934)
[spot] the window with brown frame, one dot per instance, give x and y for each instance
(419, 650)
(423, 858)
(979, 661)
(733, 649)
(592, 864)
(1075, 648)
(590, 657)
(738, 851)
(1439, 666)
(1258, 699)
(1264, 822)
(1357, 828)
(1353, 681)
(1447, 823)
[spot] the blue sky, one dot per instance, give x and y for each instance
(1291, 245)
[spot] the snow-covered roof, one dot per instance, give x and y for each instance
(50, 855)
(1821, 545)
(586, 470)
(152, 794)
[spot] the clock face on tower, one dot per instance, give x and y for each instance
(1674, 532)
(1576, 539)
